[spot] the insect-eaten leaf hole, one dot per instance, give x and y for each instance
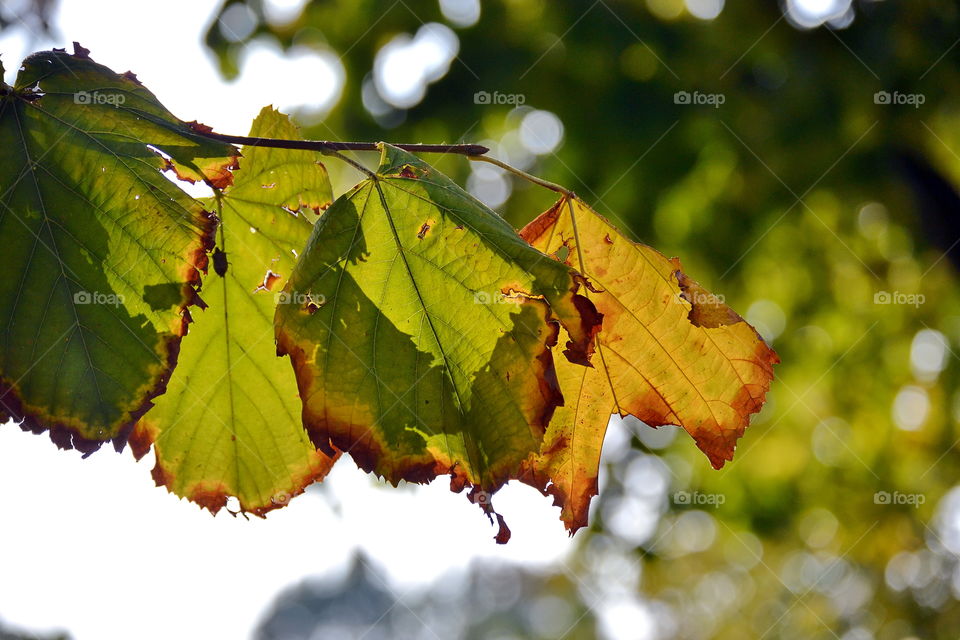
(269, 281)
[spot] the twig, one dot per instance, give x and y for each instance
(474, 150)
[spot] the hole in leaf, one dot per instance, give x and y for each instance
(269, 280)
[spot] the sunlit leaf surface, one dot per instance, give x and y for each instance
(670, 352)
(420, 327)
(229, 424)
(101, 253)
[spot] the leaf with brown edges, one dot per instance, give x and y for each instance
(101, 252)
(670, 352)
(421, 327)
(229, 424)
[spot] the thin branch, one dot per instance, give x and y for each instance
(326, 146)
(474, 152)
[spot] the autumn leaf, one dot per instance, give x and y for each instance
(229, 424)
(426, 336)
(101, 252)
(420, 327)
(670, 352)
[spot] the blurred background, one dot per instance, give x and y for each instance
(802, 160)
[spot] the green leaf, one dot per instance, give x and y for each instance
(420, 328)
(229, 424)
(101, 251)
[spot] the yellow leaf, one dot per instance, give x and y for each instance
(670, 352)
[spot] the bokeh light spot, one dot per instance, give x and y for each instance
(541, 131)
(813, 13)
(768, 318)
(462, 13)
(704, 9)
(910, 408)
(237, 23)
(928, 354)
(405, 66)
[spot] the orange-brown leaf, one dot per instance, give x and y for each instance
(670, 352)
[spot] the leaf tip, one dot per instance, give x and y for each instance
(132, 77)
(484, 500)
(80, 51)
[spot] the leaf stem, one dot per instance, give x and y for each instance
(473, 150)
(356, 165)
(553, 186)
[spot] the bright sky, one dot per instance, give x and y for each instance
(93, 547)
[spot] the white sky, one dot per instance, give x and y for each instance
(91, 546)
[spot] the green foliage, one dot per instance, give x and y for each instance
(103, 251)
(229, 424)
(420, 326)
